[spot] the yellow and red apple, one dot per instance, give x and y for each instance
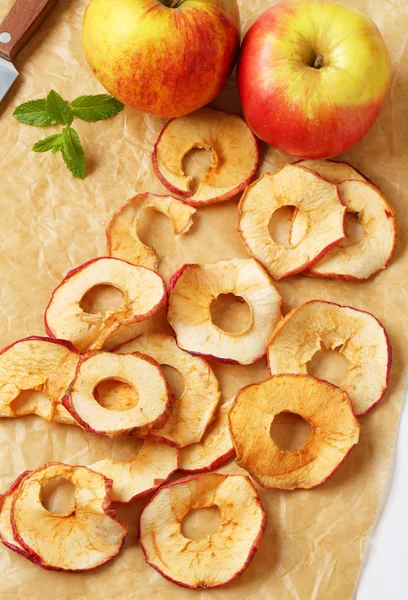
(312, 76)
(166, 57)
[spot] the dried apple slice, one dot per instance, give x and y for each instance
(141, 372)
(6, 530)
(34, 375)
(85, 537)
(335, 430)
(192, 290)
(121, 233)
(144, 293)
(358, 336)
(144, 473)
(215, 447)
(234, 155)
(316, 198)
(195, 563)
(194, 410)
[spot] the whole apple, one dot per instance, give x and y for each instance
(312, 76)
(166, 57)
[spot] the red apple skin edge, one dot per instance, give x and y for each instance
(251, 553)
(387, 339)
(218, 462)
(186, 194)
(136, 319)
(10, 490)
(310, 263)
(282, 489)
(159, 422)
(266, 107)
(227, 361)
(38, 338)
(35, 558)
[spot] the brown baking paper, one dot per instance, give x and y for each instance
(315, 541)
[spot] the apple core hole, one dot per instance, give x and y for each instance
(102, 299)
(196, 164)
(117, 395)
(201, 522)
(175, 380)
(290, 431)
(288, 226)
(57, 496)
(231, 313)
(354, 230)
(329, 365)
(29, 400)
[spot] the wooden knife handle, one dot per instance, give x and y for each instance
(23, 19)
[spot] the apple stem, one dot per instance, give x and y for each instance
(319, 61)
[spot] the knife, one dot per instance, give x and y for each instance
(23, 19)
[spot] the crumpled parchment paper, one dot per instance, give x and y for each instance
(314, 543)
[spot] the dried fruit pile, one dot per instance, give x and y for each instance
(194, 433)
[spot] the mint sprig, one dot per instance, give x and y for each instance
(54, 109)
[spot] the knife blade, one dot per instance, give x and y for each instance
(23, 19)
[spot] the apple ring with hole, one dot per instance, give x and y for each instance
(85, 537)
(194, 410)
(34, 375)
(6, 530)
(192, 290)
(121, 233)
(195, 563)
(140, 475)
(234, 155)
(323, 217)
(359, 337)
(215, 448)
(142, 373)
(335, 430)
(144, 293)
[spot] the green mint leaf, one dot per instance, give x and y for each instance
(96, 108)
(51, 142)
(59, 109)
(34, 112)
(72, 152)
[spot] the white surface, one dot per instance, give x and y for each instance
(385, 576)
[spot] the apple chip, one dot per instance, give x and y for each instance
(315, 198)
(144, 293)
(234, 155)
(34, 375)
(194, 410)
(215, 559)
(335, 430)
(144, 473)
(357, 335)
(85, 537)
(121, 234)
(192, 290)
(215, 447)
(141, 373)
(6, 530)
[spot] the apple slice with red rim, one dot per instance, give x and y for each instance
(144, 293)
(121, 233)
(86, 536)
(194, 409)
(359, 337)
(315, 198)
(142, 373)
(192, 290)
(217, 558)
(234, 155)
(335, 430)
(139, 476)
(215, 448)
(34, 375)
